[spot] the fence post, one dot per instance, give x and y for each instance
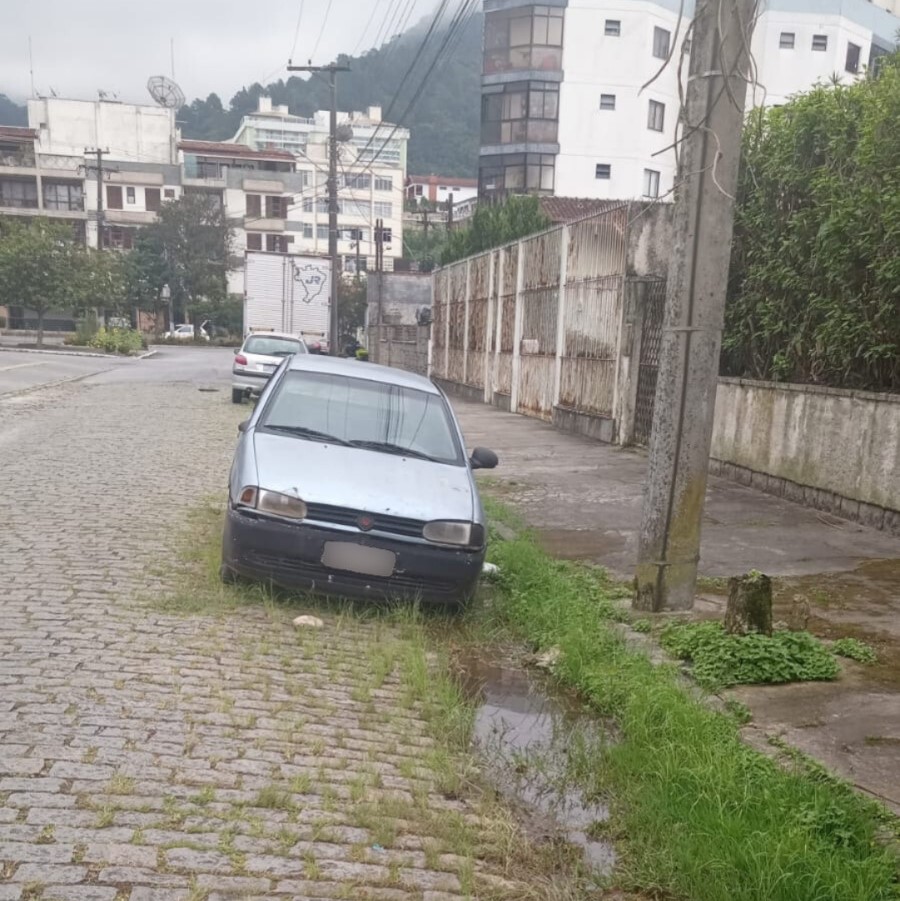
(489, 324)
(465, 367)
(501, 262)
(447, 279)
(628, 366)
(561, 313)
(517, 329)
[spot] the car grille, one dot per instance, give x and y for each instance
(315, 572)
(343, 516)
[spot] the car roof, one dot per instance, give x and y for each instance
(362, 369)
(272, 335)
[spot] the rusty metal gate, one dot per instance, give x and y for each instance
(651, 343)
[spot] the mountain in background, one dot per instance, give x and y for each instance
(444, 122)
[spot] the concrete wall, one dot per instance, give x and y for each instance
(835, 450)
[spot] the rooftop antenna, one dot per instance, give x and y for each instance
(165, 92)
(31, 64)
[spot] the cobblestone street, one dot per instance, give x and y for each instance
(156, 757)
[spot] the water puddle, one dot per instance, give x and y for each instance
(532, 739)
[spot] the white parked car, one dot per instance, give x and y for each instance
(186, 332)
(259, 356)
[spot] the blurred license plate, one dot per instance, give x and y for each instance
(268, 367)
(354, 558)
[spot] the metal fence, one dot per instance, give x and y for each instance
(540, 327)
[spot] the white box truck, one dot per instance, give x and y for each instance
(287, 293)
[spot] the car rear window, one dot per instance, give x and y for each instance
(270, 346)
(358, 409)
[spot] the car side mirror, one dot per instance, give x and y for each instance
(244, 426)
(482, 458)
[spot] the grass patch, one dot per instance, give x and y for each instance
(721, 660)
(701, 815)
(854, 649)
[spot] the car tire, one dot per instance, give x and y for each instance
(227, 574)
(237, 396)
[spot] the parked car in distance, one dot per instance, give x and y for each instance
(257, 358)
(186, 332)
(354, 480)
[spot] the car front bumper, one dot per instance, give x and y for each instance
(290, 555)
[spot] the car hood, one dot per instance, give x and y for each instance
(361, 479)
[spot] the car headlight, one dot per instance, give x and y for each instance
(456, 533)
(273, 502)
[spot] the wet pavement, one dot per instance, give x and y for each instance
(528, 734)
(835, 577)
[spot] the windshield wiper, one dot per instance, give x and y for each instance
(303, 432)
(389, 448)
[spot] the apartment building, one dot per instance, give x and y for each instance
(371, 177)
(438, 189)
(563, 110)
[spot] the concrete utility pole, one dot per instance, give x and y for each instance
(99, 167)
(449, 212)
(695, 305)
(332, 70)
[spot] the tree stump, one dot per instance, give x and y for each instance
(749, 605)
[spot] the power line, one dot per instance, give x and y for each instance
(296, 31)
(381, 34)
(321, 30)
(365, 30)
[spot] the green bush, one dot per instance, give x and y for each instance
(854, 649)
(720, 660)
(118, 340)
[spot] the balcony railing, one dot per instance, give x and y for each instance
(20, 158)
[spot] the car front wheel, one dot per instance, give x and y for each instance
(237, 396)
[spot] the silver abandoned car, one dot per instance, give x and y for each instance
(352, 479)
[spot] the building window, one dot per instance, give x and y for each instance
(322, 205)
(357, 182)
(656, 116)
(661, 42)
(169, 193)
(603, 170)
(254, 241)
(384, 210)
(527, 37)
(322, 232)
(113, 197)
(517, 173)
(787, 40)
(418, 190)
(307, 230)
(151, 200)
(608, 101)
(523, 112)
(118, 238)
(276, 207)
(63, 197)
(612, 28)
(307, 204)
(820, 42)
(129, 195)
(651, 183)
(254, 205)
(278, 243)
(384, 184)
(853, 54)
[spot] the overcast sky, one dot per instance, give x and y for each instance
(82, 46)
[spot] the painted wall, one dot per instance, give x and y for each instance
(841, 449)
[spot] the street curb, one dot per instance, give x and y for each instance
(75, 353)
(46, 385)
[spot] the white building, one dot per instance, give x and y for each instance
(371, 175)
(562, 108)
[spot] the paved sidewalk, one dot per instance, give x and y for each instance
(584, 499)
(148, 757)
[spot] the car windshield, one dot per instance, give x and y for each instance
(273, 346)
(356, 411)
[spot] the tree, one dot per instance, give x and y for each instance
(42, 267)
(351, 306)
(494, 225)
(815, 270)
(189, 250)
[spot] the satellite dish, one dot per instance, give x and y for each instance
(165, 92)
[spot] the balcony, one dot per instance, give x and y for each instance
(17, 158)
